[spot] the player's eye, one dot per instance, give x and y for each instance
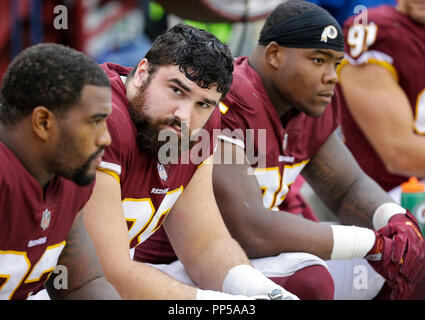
(318, 60)
(176, 90)
(204, 105)
(97, 121)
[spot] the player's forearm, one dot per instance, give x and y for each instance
(406, 156)
(358, 206)
(221, 253)
(275, 232)
(231, 273)
(139, 281)
(96, 289)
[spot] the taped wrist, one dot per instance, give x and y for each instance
(384, 213)
(248, 281)
(351, 242)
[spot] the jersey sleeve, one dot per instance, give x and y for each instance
(113, 160)
(235, 120)
(371, 42)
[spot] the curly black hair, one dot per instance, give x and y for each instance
(199, 55)
(49, 75)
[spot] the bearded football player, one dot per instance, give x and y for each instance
(175, 89)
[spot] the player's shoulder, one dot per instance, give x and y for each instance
(113, 70)
(119, 122)
(246, 93)
(383, 16)
(245, 84)
(375, 32)
(11, 167)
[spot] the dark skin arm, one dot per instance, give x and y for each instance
(334, 176)
(85, 275)
(262, 232)
(341, 184)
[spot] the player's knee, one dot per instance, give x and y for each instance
(310, 283)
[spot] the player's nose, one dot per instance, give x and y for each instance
(104, 138)
(330, 76)
(183, 112)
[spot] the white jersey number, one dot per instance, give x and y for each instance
(360, 37)
(15, 265)
(275, 188)
(144, 219)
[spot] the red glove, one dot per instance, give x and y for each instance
(399, 254)
(380, 258)
(408, 245)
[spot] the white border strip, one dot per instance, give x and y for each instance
(237, 142)
(368, 55)
(110, 166)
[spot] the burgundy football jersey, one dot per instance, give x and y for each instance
(394, 41)
(287, 150)
(34, 224)
(148, 188)
(289, 143)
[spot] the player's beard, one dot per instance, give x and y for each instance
(149, 138)
(80, 175)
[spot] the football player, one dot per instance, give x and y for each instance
(171, 94)
(383, 85)
(53, 105)
(285, 88)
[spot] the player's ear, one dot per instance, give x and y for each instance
(42, 122)
(141, 73)
(273, 55)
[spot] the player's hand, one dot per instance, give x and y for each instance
(399, 254)
(408, 245)
(380, 258)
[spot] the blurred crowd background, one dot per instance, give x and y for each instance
(122, 31)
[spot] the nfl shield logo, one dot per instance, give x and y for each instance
(45, 219)
(162, 173)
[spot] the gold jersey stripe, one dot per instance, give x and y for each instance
(381, 63)
(110, 172)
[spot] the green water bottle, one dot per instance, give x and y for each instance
(413, 198)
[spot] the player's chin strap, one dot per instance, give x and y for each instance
(248, 281)
(355, 242)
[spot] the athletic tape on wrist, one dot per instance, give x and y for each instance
(384, 213)
(248, 281)
(351, 242)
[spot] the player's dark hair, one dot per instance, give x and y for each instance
(199, 54)
(49, 75)
(286, 10)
